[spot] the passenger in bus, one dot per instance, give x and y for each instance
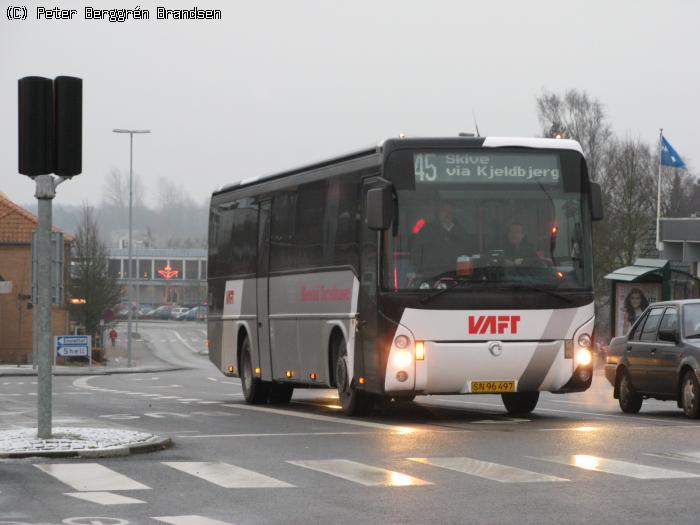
(517, 249)
(440, 242)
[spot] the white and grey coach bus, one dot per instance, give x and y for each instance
(423, 266)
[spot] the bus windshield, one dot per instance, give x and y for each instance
(488, 218)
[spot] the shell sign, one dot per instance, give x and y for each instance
(168, 272)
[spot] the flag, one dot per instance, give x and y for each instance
(669, 156)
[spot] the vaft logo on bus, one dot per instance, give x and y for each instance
(493, 324)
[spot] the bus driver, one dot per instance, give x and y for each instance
(517, 249)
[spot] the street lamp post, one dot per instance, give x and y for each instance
(130, 274)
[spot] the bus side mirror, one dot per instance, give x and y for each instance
(596, 201)
(379, 207)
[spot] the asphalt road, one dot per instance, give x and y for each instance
(441, 459)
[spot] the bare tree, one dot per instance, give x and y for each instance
(630, 199)
(576, 116)
(115, 192)
(90, 278)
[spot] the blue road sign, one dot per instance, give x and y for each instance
(72, 345)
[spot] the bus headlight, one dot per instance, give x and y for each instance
(584, 356)
(584, 340)
(402, 342)
(402, 358)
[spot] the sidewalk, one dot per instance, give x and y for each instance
(142, 361)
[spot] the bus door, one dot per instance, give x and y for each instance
(367, 355)
(263, 309)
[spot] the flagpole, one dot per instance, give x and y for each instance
(658, 193)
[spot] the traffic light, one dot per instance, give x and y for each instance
(68, 98)
(50, 126)
(36, 127)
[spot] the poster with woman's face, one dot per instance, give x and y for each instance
(631, 299)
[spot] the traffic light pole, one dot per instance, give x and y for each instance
(45, 192)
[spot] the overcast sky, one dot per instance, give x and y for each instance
(277, 84)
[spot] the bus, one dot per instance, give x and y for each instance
(457, 265)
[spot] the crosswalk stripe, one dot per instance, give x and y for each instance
(361, 473)
(104, 498)
(90, 477)
(621, 468)
(487, 470)
(226, 475)
(190, 520)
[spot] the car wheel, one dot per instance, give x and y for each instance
(630, 400)
(280, 393)
(690, 395)
(354, 402)
(520, 402)
(255, 391)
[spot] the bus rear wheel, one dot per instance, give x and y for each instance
(280, 393)
(255, 390)
(354, 402)
(520, 402)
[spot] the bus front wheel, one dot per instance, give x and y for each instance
(354, 402)
(520, 402)
(255, 390)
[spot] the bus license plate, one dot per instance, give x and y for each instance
(498, 387)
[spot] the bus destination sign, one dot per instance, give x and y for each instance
(486, 167)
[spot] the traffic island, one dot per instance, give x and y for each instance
(69, 442)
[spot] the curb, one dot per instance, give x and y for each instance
(152, 445)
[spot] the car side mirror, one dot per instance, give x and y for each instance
(596, 201)
(667, 334)
(379, 207)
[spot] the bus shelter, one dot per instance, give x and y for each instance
(645, 282)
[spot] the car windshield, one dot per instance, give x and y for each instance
(691, 320)
(489, 227)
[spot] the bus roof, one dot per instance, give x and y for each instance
(463, 141)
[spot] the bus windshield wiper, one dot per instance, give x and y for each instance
(441, 291)
(522, 285)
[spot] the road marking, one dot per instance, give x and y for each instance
(227, 475)
(317, 417)
(487, 470)
(190, 520)
(361, 473)
(188, 400)
(104, 498)
(90, 477)
(620, 468)
(690, 457)
(210, 403)
(543, 409)
(193, 349)
(281, 434)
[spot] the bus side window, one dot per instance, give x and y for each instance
(346, 245)
(244, 247)
(308, 234)
(284, 207)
